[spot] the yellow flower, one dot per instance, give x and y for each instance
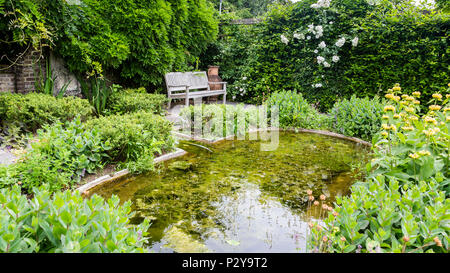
(416, 102)
(389, 96)
(446, 109)
(424, 153)
(413, 118)
(396, 116)
(389, 108)
(447, 96)
(404, 102)
(409, 109)
(385, 117)
(447, 118)
(430, 120)
(384, 133)
(385, 126)
(393, 128)
(404, 96)
(396, 98)
(416, 94)
(414, 156)
(435, 107)
(437, 96)
(396, 88)
(409, 98)
(408, 128)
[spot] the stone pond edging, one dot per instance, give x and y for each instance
(106, 179)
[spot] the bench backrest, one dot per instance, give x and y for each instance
(177, 81)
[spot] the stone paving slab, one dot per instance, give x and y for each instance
(6, 158)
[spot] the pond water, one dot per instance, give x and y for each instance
(238, 198)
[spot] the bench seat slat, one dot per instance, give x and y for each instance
(198, 94)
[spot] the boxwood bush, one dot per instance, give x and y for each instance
(33, 110)
(66, 222)
(134, 100)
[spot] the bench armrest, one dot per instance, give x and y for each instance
(217, 82)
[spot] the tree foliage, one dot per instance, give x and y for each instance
(135, 41)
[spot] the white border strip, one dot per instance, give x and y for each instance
(111, 177)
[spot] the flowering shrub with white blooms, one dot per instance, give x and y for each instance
(326, 55)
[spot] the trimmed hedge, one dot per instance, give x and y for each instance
(134, 100)
(33, 110)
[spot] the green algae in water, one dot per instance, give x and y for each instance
(238, 198)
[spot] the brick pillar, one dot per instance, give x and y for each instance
(27, 71)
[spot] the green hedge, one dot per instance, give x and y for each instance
(66, 222)
(134, 100)
(398, 43)
(134, 138)
(33, 110)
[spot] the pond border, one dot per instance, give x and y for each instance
(84, 189)
(296, 130)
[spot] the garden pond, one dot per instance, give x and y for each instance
(234, 197)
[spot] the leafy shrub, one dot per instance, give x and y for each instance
(295, 112)
(134, 100)
(33, 110)
(66, 222)
(403, 206)
(387, 218)
(134, 138)
(61, 155)
(219, 120)
(358, 117)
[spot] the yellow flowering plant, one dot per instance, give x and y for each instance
(403, 204)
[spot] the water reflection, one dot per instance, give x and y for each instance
(238, 198)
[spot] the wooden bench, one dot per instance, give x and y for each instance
(191, 85)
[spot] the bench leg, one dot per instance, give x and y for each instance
(168, 104)
(224, 98)
(187, 101)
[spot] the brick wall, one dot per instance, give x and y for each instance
(7, 80)
(21, 78)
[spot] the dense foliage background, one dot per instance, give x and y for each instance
(133, 41)
(396, 43)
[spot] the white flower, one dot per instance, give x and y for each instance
(340, 42)
(335, 59)
(322, 45)
(244, 78)
(331, 22)
(321, 4)
(284, 40)
(308, 37)
(320, 59)
(234, 97)
(316, 51)
(355, 41)
(326, 64)
(300, 36)
(317, 85)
